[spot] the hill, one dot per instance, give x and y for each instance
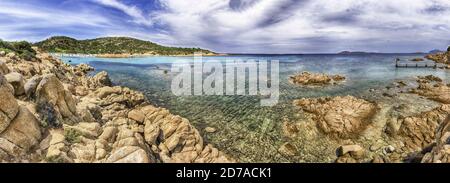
(112, 45)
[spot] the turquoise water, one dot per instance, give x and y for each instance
(246, 130)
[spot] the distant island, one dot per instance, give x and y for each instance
(354, 53)
(114, 47)
(435, 51)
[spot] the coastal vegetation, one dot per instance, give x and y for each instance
(112, 45)
(22, 48)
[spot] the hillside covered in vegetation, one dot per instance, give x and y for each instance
(22, 48)
(112, 45)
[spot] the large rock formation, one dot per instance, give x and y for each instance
(51, 93)
(339, 116)
(433, 88)
(8, 105)
(441, 151)
(442, 57)
(418, 131)
(314, 79)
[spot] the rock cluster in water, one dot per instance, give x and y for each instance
(433, 88)
(53, 112)
(315, 79)
(341, 116)
(441, 57)
(403, 137)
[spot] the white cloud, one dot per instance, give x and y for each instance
(132, 11)
(298, 26)
(263, 26)
(27, 22)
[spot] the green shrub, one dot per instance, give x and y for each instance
(22, 48)
(54, 159)
(72, 135)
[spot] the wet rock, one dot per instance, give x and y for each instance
(339, 116)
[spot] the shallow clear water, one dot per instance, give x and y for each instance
(246, 130)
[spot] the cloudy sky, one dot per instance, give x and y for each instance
(239, 26)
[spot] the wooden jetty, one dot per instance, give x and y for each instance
(410, 64)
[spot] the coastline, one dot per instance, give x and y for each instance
(129, 55)
(58, 113)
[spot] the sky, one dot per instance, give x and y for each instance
(239, 26)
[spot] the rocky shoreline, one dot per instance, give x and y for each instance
(54, 112)
(385, 130)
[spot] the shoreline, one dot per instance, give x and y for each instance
(72, 117)
(127, 55)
